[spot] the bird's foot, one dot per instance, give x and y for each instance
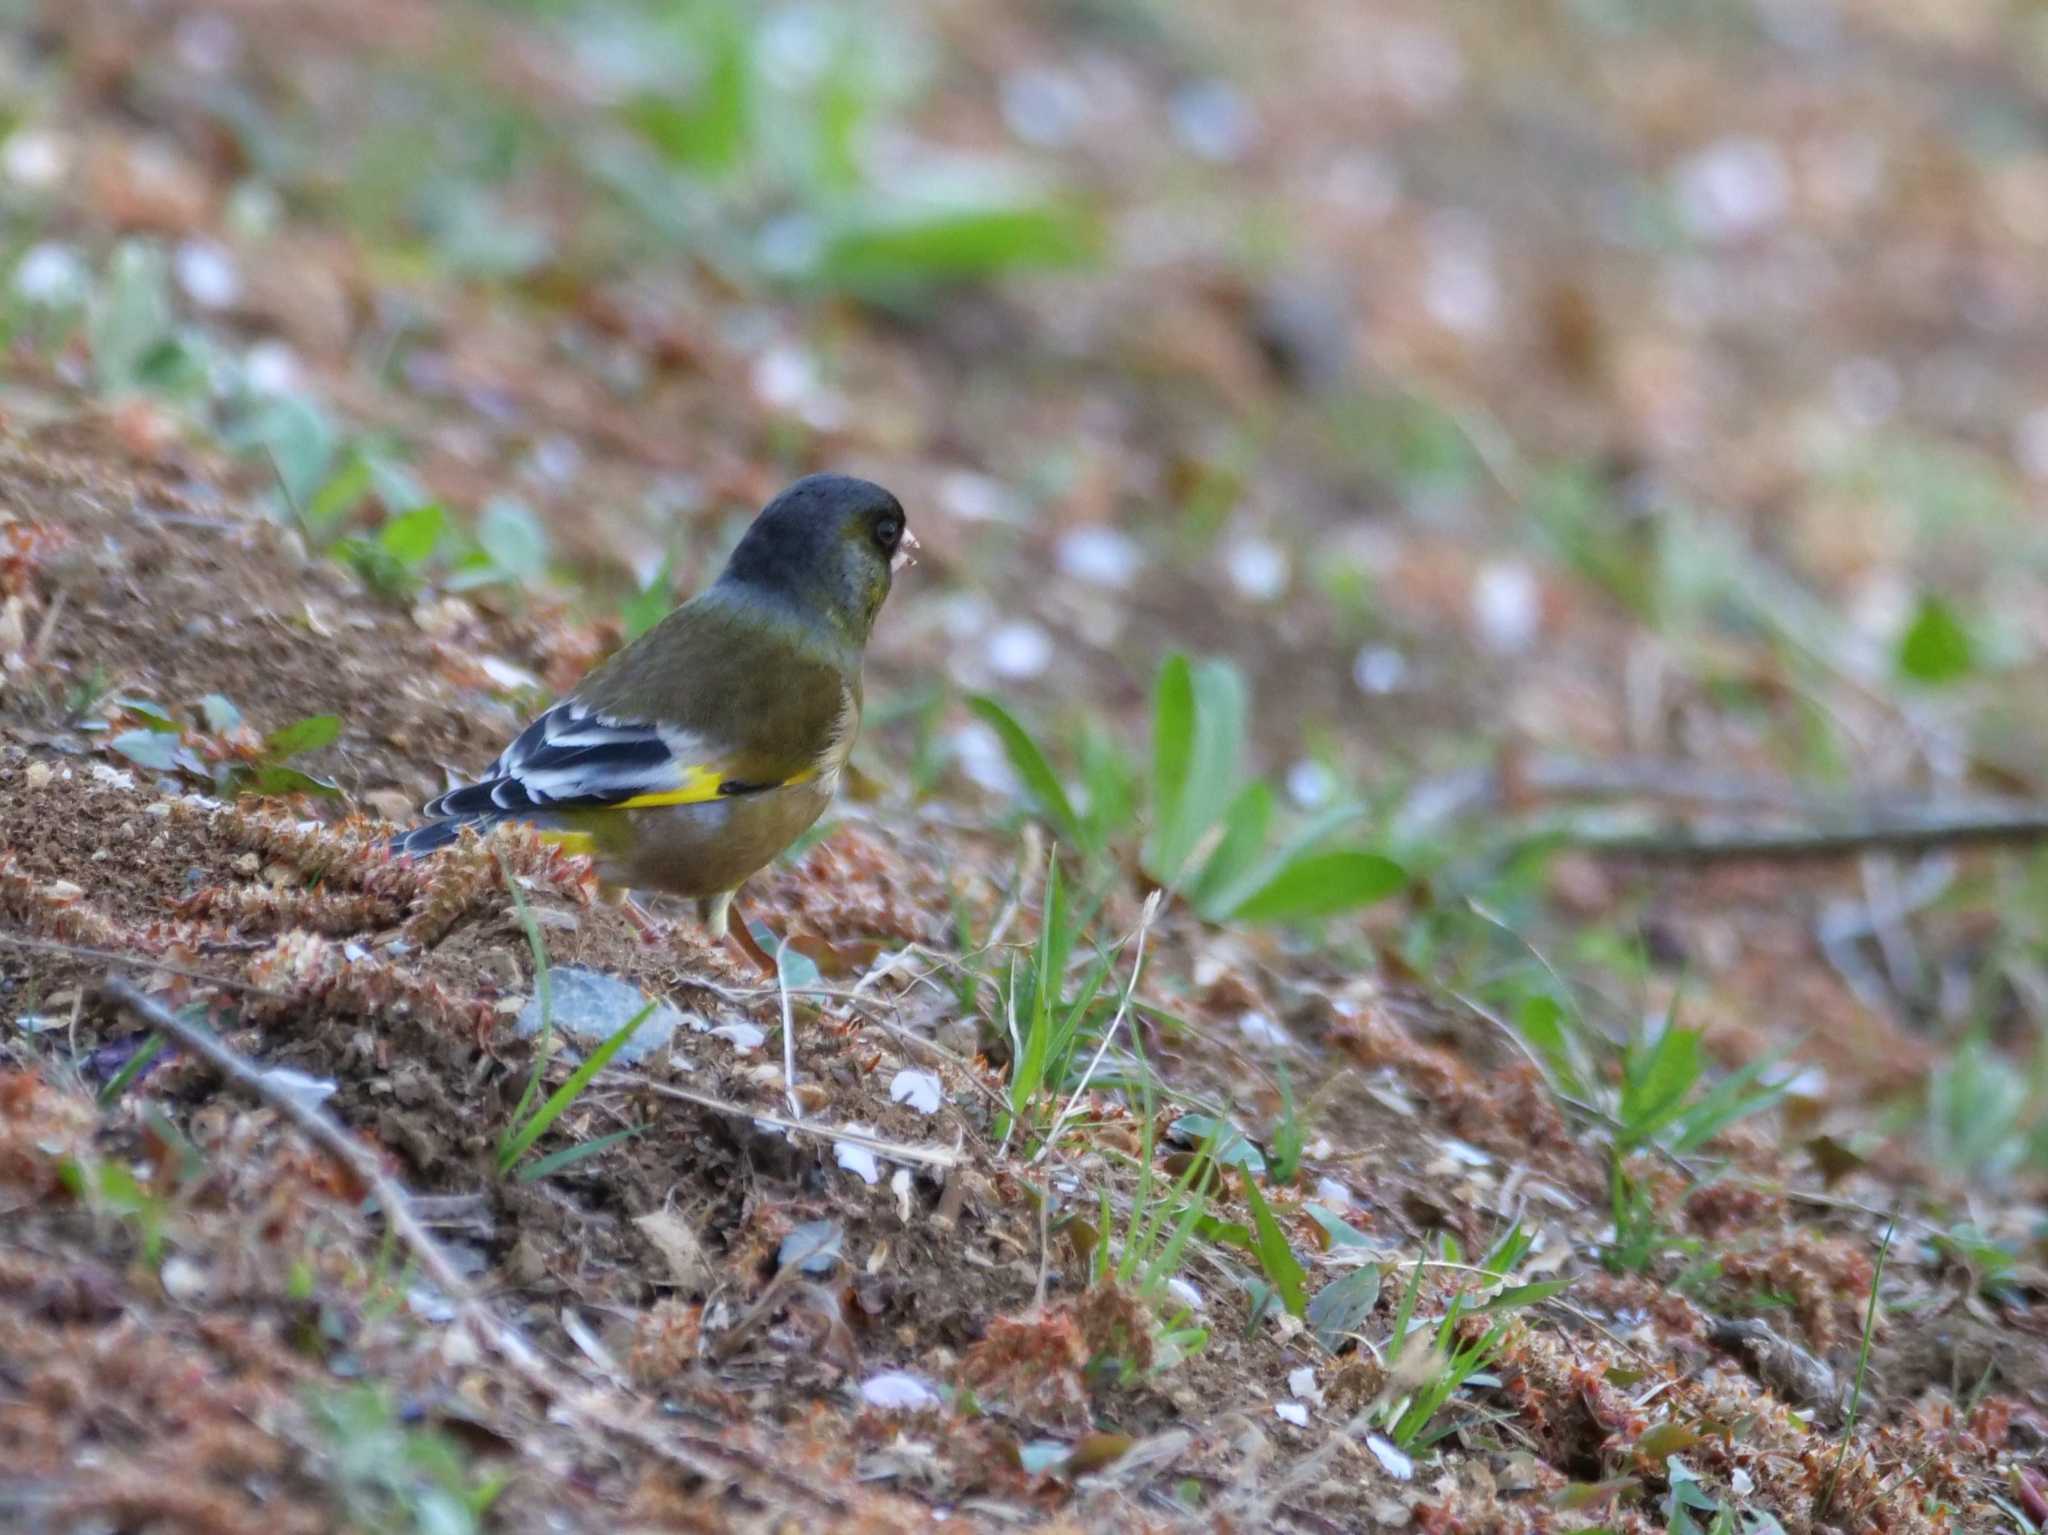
(742, 938)
(651, 930)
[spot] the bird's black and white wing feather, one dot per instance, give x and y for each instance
(574, 758)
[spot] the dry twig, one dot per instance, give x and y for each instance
(896, 1151)
(1900, 829)
(695, 1455)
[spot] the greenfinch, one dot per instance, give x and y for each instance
(692, 757)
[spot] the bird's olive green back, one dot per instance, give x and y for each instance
(754, 680)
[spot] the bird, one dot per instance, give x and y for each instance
(693, 756)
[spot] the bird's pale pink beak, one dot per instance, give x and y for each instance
(904, 559)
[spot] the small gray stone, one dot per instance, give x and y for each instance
(590, 1007)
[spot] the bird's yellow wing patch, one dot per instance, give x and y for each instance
(698, 785)
(701, 784)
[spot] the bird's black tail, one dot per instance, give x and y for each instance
(435, 835)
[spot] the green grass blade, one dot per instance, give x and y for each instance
(569, 1156)
(1167, 1262)
(1726, 1102)
(1218, 753)
(1404, 1313)
(543, 988)
(1656, 1081)
(1532, 1294)
(136, 1064)
(1827, 1497)
(1276, 1258)
(560, 1099)
(1173, 752)
(1029, 763)
(1509, 1251)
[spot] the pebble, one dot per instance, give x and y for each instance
(590, 1007)
(1100, 556)
(1734, 188)
(1019, 651)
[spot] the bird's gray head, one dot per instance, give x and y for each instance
(827, 545)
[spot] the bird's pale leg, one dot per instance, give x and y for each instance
(717, 913)
(719, 923)
(651, 929)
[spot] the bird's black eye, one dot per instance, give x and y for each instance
(888, 530)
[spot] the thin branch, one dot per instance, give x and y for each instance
(324, 1130)
(796, 1108)
(1836, 827)
(1518, 777)
(1907, 831)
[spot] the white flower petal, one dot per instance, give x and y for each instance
(920, 1089)
(858, 1160)
(898, 1391)
(1393, 1460)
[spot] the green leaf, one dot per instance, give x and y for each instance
(219, 713)
(475, 232)
(274, 778)
(1340, 1231)
(1166, 1262)
(1276, 1258)
(1542, 1020)
(1342, 1304)
(1244, 840)
(129, 315)
(1936, 648)
(1321, 885)
(1232, 1147)
(514, 539)
(1221, 707)
(1197, 745)
(176, 367)
(1034, 771)
(150, 749)
(1727, 1101)
(708, 129)
(146, 711)
(795, 970)
(1505, 1254)
(1665, 1439)
(643, 610)
(919, 244)
(340, 494)
(1112, 785)
(296, 437)
(1404, 1312)
(301, 736)
(1289, 1140)
(392, 482)
(411, 538)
